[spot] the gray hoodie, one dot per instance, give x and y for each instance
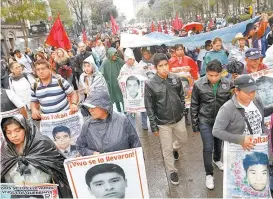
(87, 82)
(112, 134)
(230, 124)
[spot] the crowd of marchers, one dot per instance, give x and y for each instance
(85, 78)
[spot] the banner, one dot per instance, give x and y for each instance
(119, 174)
(226, 34)
(64, 130)
(264, 81)
(45, 191)
(132, 86)
(246, 173)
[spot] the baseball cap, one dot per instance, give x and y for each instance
(245, 83)
(253, 53)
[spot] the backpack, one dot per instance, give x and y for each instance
(37, 81)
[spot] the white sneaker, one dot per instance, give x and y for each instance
(219, 164)
(210, 182)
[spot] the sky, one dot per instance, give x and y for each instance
(125, 7)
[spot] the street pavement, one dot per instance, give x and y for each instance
(190, 169)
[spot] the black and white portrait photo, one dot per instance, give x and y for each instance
(132, 87)
(106, 181)
(265, 89)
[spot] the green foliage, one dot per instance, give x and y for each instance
(22, 10)
(60, 6)
(162, 9)
(144, 13)
(243, 17)
(151, 3)
(101, 11)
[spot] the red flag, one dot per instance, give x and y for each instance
(152, 27)
(84, 36)
(180, 24)
(159, 28)
(165, 27)
(57, 36)
(176, 23)
(114, 25)
(211, 23)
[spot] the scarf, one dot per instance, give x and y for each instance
(16, 78)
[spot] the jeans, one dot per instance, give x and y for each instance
(132, 118)
(209, 143)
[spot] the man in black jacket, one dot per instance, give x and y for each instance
(77, 69)
(208, 95)
(165, 105)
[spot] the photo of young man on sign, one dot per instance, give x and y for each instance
(119, 174)
(106, 181)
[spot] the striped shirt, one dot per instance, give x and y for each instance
(52, 98)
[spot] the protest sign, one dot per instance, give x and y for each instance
(132, 86)
(9, 113)
(264, 81)
(246, 173)
(187, 82)
(119, 174)
(45, 191)
(63, 128)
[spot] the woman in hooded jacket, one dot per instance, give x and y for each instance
(29, 157)
(90, 79)
(63, 65)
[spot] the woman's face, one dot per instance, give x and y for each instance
(242, 42)
(15, 134)
(88, 69)
(38, 57)
(217, 46)
(60, 53)
(179, 52)
(146, 55)
(70, 54)
(130, 62)
(17, 69)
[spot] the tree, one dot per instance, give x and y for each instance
(21, 11)
(77, 7)
(101, 11)
(61, 7)
(162, 9)
(151, 3)
(145, 13)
